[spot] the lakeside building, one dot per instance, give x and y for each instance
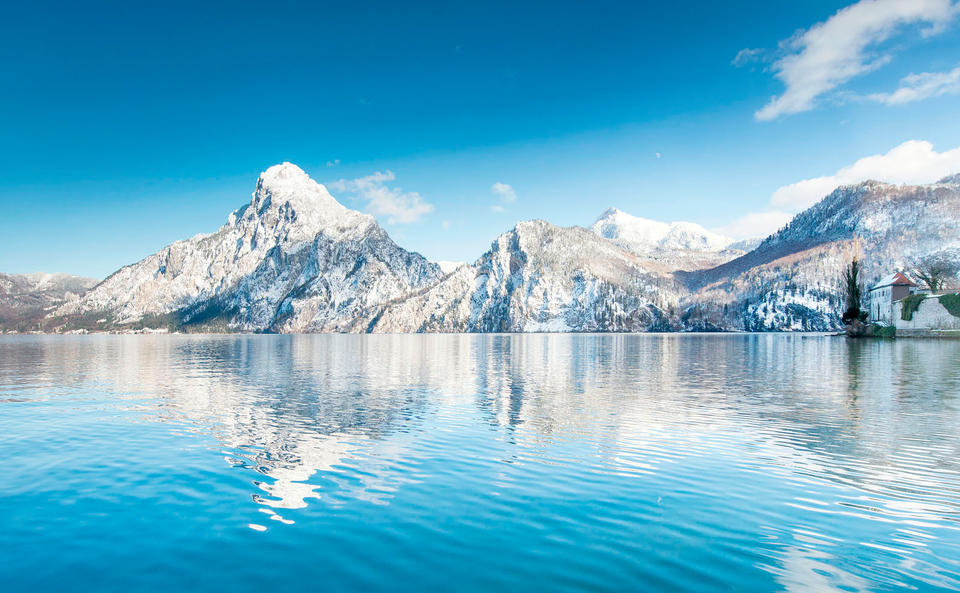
(885, 293)
(926, 314)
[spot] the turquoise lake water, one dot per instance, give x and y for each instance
(479, 463)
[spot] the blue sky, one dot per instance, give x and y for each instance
(124, 127)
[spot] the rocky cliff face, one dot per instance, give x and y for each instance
(293, 259)
(540, 277)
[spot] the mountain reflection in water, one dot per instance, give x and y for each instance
(565, 462)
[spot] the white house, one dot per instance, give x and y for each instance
(885, 293)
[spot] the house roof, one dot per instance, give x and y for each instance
(895, 279)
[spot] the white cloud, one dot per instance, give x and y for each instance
(657, 155)
(755, 224)
(830, 53)
(914, 161)
(398, 206)
(924, 85)
(333, 163)
(506, 192)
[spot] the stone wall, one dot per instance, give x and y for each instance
(929, 315)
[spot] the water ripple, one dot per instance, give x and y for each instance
(555, 463)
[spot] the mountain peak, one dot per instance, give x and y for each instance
(282, 173)
(293, 258)
(609, 212)
(287, 182)
(285, 192)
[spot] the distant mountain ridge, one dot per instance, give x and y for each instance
(666, 246)
(26, 299)
(294, 259)
(641, 234)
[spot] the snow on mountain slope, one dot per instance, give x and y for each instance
(908, 220)
(293, 259)
(672, 246)
(14, 284)
(642, 235)
(540, 277)
(790, 280)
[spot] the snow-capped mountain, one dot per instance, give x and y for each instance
(673, 245)
(642, 235)
(293, 259)
(26, 298)
(540, 277)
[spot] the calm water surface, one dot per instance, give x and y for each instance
(479, 463)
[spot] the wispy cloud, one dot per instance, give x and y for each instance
(748, 56)
(914, 161)
(333, 163)
(395, 204)
(924, 85)
(505, 193)
(827, 55)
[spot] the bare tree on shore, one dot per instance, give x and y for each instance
(937, 270)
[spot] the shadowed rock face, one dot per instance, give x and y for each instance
(25, 299)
